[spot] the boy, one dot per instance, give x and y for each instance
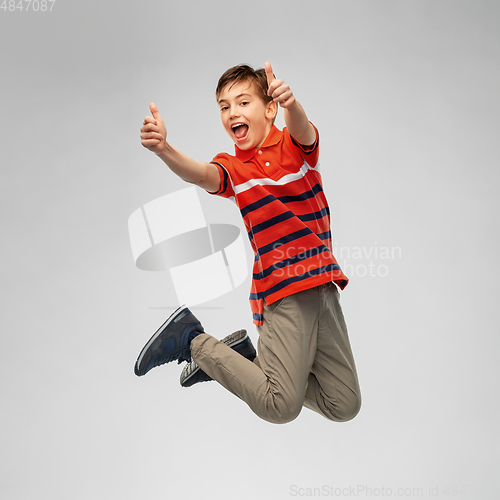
(304, 356)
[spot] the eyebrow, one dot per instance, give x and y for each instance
(237, 97)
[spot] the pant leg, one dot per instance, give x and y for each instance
(333, 389)
(274, 387)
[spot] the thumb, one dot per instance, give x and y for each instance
(269, 73)
(154, 111)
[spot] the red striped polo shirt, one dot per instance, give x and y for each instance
(279, 192)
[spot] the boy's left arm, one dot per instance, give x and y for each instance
(297, 123)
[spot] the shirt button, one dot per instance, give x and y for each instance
(260, 151)
(267, 164)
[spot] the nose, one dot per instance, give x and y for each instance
(234, 111)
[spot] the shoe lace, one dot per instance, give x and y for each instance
(182, 354)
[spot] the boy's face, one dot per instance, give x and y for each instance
(245, 116)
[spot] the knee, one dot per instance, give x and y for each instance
(283, 414)
(347, 411)
(352, 410)
(340, 410)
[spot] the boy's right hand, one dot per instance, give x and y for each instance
(153, 131)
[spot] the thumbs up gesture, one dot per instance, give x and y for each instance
(153, 131)
(278, 89)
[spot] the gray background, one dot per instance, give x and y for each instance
(406, 97)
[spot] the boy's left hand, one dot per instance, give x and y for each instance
(278, 89)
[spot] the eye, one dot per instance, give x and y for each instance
(244, 103)
(223, 108)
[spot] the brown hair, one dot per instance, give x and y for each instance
(242, 73)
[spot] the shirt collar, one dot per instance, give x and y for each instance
(273, 138)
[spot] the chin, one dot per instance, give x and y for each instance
(244, 148)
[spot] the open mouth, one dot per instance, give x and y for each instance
(240, 131)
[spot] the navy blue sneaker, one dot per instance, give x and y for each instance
(239, 341)
(170, 342)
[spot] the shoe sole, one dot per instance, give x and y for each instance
(175, 316)
(240, 335)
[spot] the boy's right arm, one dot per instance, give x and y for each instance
(153, 137)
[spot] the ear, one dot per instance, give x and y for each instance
(271, 110)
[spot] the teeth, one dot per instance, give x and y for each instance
(237, 125)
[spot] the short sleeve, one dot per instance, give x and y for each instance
(226, 188)
(309, 154)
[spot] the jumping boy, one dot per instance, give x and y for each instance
(304, 356)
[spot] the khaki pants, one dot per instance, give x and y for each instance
(304, 359)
